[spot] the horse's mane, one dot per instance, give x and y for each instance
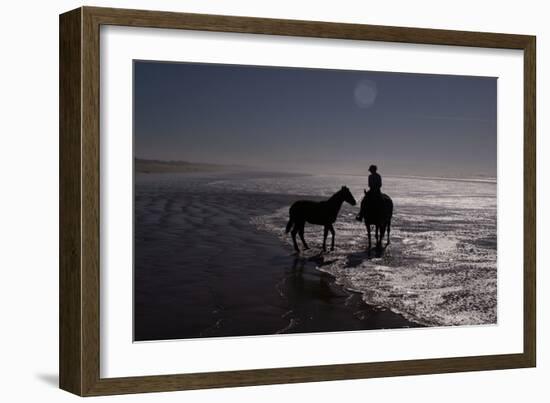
(335, 195)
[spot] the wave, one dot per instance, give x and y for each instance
(439, 270)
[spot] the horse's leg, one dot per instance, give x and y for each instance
(325, 238)
(331, 229)
(294, 232)
(382, 233)
(376, 234)
(301, 233)
(368, 232)
(389, 226)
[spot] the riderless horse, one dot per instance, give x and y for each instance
(319, 213)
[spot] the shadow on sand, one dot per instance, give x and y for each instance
(316, 303)
(302, 282)
(356, 258)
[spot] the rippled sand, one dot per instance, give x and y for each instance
(212, 259)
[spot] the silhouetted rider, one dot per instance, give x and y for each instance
(375, 180)
(373, 196)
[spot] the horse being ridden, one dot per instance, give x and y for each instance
(319, 213)
(374, 195)
(378, 213)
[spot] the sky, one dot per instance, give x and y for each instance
(316, 120)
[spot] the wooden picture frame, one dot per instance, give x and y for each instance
(79, 346)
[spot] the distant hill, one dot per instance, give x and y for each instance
(158, 166)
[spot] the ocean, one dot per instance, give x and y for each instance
(211, 257)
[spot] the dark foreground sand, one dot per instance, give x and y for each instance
(202, 269)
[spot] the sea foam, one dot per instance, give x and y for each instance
(440, 268)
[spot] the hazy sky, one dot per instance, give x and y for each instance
(315, 120)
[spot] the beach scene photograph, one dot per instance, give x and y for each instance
(274, 200)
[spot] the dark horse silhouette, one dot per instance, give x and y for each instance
(378, 213)
(319, 213)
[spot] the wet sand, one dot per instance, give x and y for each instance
(203, 269)
(441, 266)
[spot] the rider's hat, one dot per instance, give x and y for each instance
(373, 168)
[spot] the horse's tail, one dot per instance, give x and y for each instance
(389, 217)
(289, 225)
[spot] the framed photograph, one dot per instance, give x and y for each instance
(249, 201)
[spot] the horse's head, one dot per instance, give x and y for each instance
(364, 199)
(363, 202)
(347, 196)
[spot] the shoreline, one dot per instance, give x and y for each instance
(368, 316)
(234, 280)
(212, 260)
